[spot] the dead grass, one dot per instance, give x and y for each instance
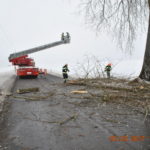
(121, 91)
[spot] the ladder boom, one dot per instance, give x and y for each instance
(64, 40)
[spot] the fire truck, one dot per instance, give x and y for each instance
(26, 66)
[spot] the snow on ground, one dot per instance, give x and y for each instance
(128, 68)
(7, 79)
(6, 75)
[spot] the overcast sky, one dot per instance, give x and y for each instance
(28, 23)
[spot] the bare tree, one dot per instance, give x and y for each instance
(145, 72)
(124, 19)
(91, 67)
(85, 68)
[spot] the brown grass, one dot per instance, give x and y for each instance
(115, 90)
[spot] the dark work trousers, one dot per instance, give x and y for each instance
(65, 76)
(108, 74)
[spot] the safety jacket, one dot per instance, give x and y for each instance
(108, 68)
(65, 69)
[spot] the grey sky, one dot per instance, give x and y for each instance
(28, 23)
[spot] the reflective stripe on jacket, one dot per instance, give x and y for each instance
(65, 69)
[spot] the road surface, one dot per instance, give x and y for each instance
(56, 119)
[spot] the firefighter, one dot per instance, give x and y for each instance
(68, 35)
(108, 68)
(65, 71)
(62, 37)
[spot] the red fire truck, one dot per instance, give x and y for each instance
(26, 65)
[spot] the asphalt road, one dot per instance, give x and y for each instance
(54, 119)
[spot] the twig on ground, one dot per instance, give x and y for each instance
(27, 90)
(68, 119)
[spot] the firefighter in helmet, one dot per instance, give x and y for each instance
(65, 71)
(108, 68)
(68, 35)
(62, 37)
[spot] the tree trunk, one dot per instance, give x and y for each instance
(145, 73)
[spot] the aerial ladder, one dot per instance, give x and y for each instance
(26, 66)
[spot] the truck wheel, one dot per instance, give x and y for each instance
(19, 77)
(34, 77)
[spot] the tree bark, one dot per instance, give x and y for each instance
(145, 72)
